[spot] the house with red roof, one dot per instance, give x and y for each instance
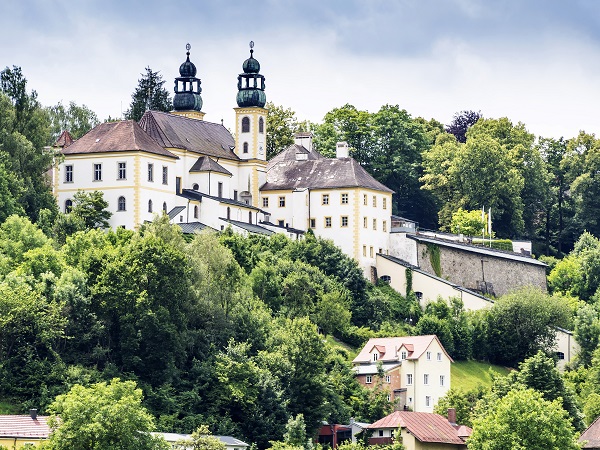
(420, 431)
(414, 370)
(16, 431)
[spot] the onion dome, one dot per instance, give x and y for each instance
(187, 87)
(251, 84)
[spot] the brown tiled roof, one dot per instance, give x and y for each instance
(206, 164)
(322, 173)
(425, 427)
(416, 346)
(289, 154)
(591, 435)
(124, 136)
(14, 426)
(198, 136)
(64, 140)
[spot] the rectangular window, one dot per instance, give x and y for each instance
(380, 433)
(439, 356)
(280, 223)
(371, 252)
(165, 175)
(384, 203)
(220, 189)
(385, 225)
(344, 199)
(374, 224)
(121, 171)
(403, 355)
(364, 250)
(428, 356)
(235, 195)
(68, 174)
(265, 202)
(388, 379)
(281, 202)
(389, 397)
(150, 172)
(313, 223)
(368, 379)
(327, 222)
(426, 378)
(427, 401)
(97, 172)
(325, 199)
(344, 221)
(365, 199)
(375, 357)
(374, 202)
(442, 380)
(409, 379)
(365, 222)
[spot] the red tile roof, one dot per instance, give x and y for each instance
(23, 426)
(415, 345)
(64, 140)
(591, 435)
(122, 136)
(425, 427)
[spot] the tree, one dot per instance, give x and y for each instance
(469, 223)
(461, 122)
(523, 420)
(464, 402)
(91, 207)
(295, 432)
(77, 120)
(521, 323)
(103, 416)
(587, 333)
(149, 95)
(201, 439)
(281, 126)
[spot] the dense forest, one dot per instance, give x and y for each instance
(247, 335)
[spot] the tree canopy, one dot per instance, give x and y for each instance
(149, 95)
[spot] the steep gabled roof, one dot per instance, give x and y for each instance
(206, 164)
(415, 345)
(64, 140)
(591, 435)
(198, 136)
(15, 426)
(123, 136)
(289, 154)
(425, 427)
(320, 173)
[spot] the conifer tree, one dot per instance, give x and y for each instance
(149, 95)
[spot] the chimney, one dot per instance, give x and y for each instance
(33, 413)
(452, 416)
(341, 150)
(304, 140)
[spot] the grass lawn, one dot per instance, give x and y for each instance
(468, 375)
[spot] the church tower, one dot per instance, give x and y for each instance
(251, 130)
(187, 101)
(251, 115)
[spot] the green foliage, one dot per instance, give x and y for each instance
(469, 223)
(434, 258)
(91, 207)
(463, 402)
(77, 120)
(281, 126)
(201, 439)
(523, 419)
(149, 95)
(295, 432)
(587, 333)
(102, 416)
(591, 410)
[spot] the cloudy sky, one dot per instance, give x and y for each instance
(534, 61)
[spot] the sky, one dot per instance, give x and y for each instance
(533, 61)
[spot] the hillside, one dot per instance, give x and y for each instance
(467, 375)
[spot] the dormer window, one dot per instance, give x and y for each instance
(402, 355)
(375, 356)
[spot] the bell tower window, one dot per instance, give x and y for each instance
(261, 125)
(246, 125)
(245, 147)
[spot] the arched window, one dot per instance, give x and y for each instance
(121, 204)
(249, 216)
(165, 206)
(245, 147)
(149, 206)
(195, 186)
(246, 125)
(261, 125)
(195, 211)
(68, 205)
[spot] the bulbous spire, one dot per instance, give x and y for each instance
(187, 87)
(251, 84)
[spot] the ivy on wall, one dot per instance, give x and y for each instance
(434, 258)
(409, 275)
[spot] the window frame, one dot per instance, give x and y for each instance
(328, 222)
(282, 201)
(344, 222)
(245, 124)
(265, 202)
(121, 204)
(150, 172)
(97, 172)
(426, 379)
(121, 170)
(344, 198)
(368, 379)
(409, 379)
(68, 173)
(324, 199)
(165, 175)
